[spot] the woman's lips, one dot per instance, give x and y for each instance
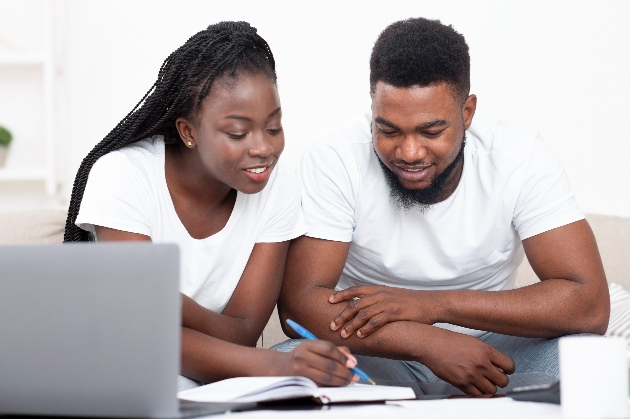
(258, 174)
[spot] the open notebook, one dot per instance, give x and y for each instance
(261, 389)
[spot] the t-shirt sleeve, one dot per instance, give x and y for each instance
(114, 198)
(546, 200)
(285, 220)
(329, 174)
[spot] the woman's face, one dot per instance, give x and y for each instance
(237, 132)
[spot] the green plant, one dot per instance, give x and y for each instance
(5, 136)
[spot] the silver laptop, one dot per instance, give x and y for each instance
(90, 330)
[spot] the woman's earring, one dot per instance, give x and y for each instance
(189, 143)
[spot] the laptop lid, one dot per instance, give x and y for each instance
(90, 329)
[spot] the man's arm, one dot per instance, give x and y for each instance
(572, 296)
(311, 274)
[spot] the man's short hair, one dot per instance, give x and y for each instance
(421, 52)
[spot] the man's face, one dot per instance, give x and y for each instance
(418, 133)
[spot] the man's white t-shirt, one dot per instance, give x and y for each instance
(126, 190)
(512, 188)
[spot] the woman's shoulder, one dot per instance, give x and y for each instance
(143, 156)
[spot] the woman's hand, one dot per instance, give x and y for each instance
(376, 306)
(321, 361)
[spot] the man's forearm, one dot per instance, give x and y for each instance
(399, 340)
(554, 307)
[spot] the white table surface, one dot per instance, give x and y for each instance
(451, 408)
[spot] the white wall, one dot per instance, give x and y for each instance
(561, 68)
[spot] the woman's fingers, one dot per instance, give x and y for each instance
(324, 379)
(330, 363)
(352, 361)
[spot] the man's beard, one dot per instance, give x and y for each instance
(422, 199)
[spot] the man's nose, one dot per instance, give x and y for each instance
(411, 150)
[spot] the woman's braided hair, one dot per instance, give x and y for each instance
(184, 79)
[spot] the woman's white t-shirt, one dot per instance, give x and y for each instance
(126, 190)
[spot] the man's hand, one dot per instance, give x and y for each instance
(378, 305)
(468, 363)
(321, 361)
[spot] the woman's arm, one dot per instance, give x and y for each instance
(208, 359)
(251, 304)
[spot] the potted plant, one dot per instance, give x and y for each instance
(5, 140)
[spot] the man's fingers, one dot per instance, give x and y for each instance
(349, 312)
(350, 293)
(362, 317)
(375, 323)
(470, 389)
(495, 376)
(485, 386)
(503, 361)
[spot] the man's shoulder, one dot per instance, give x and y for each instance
(493, 135)
(349, 141)
(353, 130)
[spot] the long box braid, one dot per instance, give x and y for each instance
(183, 81)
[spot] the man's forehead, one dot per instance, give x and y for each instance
(414, 105)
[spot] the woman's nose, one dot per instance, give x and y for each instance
(260, 146)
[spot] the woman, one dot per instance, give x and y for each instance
(196, 163)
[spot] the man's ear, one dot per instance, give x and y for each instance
(468, 110)
(186, 131)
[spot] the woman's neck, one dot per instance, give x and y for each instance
(186, 176)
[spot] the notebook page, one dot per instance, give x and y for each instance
(363, 392)
(249, 389)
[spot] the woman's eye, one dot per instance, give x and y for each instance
(236, 136)
(275, 131)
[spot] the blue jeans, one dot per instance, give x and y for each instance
(531, 355)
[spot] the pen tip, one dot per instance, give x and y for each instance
(372, 382)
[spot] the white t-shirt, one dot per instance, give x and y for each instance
(512, 187)
(126, 190)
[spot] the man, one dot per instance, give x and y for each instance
(418, 217)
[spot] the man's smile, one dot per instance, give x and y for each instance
(413, 173)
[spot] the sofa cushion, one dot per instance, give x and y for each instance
(613, 240)
(619, 324)
(32, 227)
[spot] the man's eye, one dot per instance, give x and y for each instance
(387, 132)
(433, 133)
(236, 136)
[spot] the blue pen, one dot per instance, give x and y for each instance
(308, 335)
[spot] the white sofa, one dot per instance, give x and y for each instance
(612, 234)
